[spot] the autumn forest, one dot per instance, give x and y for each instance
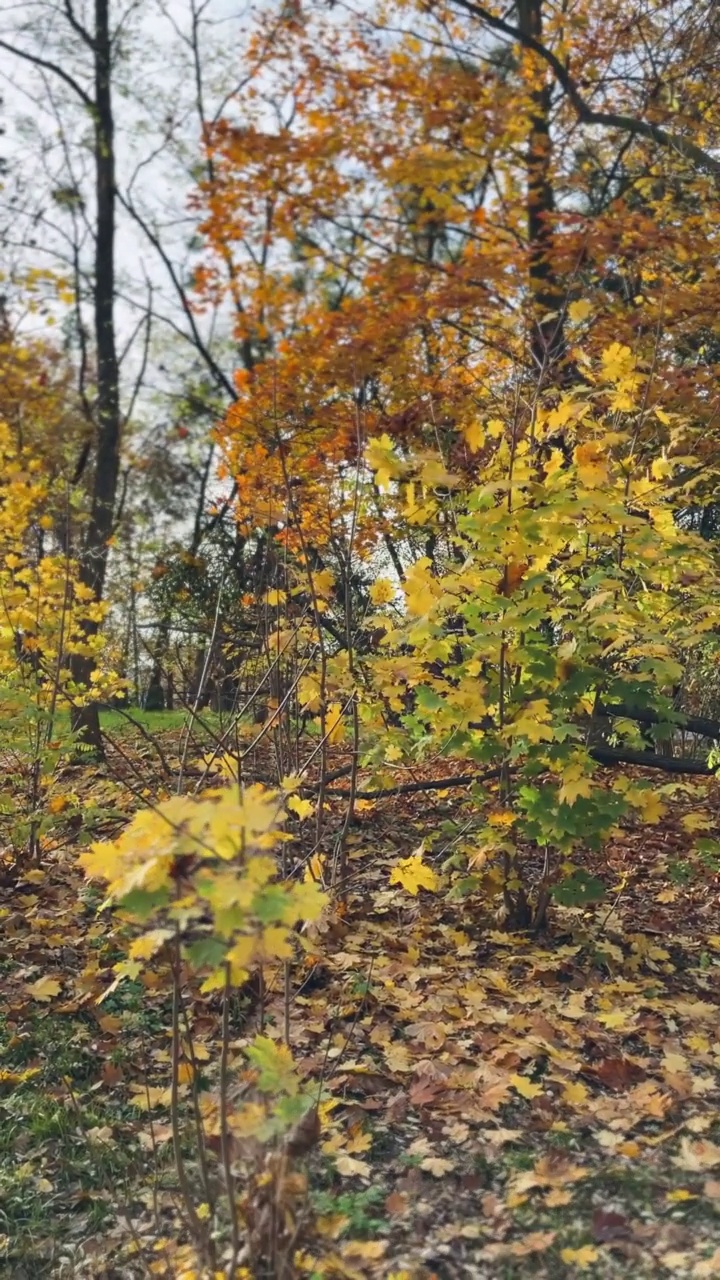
(360, 640)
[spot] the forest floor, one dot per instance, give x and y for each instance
(499, 1105)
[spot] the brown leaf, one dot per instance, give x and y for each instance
(412, 1183)
(609, 1225)
(424, 1092)
(305, 1135)
(513, 575)
(397, 1203)
(619, 1073)
(431, 1035)
(396, 1110)
(111, 1073)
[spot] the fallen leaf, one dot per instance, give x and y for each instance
(414, 874)
(696, 1157)
(575, 1093)
(424, 1092)
(349, 1167)
(437, 1166)
(369, 1250)
(534, 1242)
(708, 1267)
(619, 1073)
(396, 1204)
(582, 1257)
(526, 1088)
(44, 989)
(608, 1225)
(557, 1197)
(111, 1073)
(550, 1171)
(498, 1137)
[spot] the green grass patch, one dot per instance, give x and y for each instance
(67, 1148)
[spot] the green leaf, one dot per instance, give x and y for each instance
(206, 952)
(578, 890)
(275, 1065)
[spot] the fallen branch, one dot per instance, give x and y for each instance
(603, 755)
(694, 724)
(409, 788)
(611, 755)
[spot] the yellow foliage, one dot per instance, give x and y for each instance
(221, 849)
(414, 874)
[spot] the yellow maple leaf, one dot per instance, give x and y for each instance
(501, 818)
(149, 943)
(550, 1171)
(44, 988)
(696, 821)
(381, 459)
(323, 581)
(614, 1018)
(575, 782)
(580, 310)
(367, 1251)
(414, 874)
(242, 953)
(618, 362)
(675, 1063)
(420, 587)
(18, 1077)
(334, 727)
(582, 1257)
(526, 1088)
(358, 1142)
(275, 943)
(303, 808)
(146, 1097)
(474, 436)
(533, 722)
(661, 468)
(398, 1058)
(591, 464)
(382, 591)
(650, 806)
(574, 1093)
(309, 693)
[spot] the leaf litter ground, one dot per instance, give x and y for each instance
(498, 1105)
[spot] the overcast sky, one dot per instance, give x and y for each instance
(157, 139)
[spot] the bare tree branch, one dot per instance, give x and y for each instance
(218, 374)
(56, 70)
(698, 158)
(78, 27)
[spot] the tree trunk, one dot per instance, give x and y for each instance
(547, 343)
(95, 549)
